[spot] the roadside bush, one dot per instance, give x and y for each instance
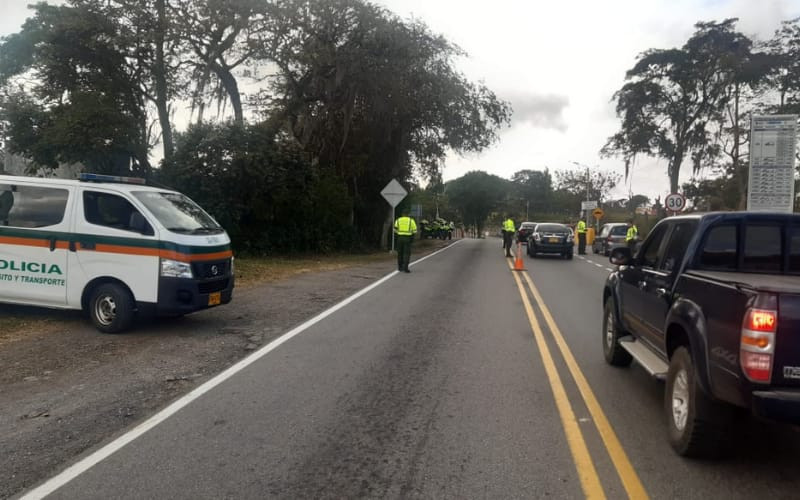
(263, 190)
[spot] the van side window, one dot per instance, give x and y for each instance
(109, 210)
(719, 250)
(32, 206)
(763, 248)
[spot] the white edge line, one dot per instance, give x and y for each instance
(106, 451)
(609, 270)
(434, 253)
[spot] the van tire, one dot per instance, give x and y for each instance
(111, 308)
(695, 422)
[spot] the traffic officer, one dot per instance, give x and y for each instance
(508, 235)
(632, 236)
(580, 228)
(405, 228)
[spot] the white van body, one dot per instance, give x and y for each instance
(111, 246)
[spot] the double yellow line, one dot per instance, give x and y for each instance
(590, 481)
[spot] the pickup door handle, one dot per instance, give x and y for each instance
(661, 292)
(52, 244)
(642, 285)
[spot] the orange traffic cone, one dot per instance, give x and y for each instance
(518, 266)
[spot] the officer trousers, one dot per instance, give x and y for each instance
(508, 240)
(581, 243)
(403, 252)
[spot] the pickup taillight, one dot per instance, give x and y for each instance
(758, 344)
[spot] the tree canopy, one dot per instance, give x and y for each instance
(357, 95)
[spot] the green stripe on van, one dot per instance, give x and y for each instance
(111, 240)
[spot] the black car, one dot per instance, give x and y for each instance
(551, 238)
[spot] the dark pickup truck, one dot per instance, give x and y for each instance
(711, 304)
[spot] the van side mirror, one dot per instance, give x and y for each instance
(139, 224)
(621, 256)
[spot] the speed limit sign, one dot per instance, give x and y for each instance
(675, 202)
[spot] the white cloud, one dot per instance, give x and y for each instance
(542, 111)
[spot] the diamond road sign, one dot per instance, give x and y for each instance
(394, 193)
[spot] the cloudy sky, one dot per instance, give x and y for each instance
(558, 63)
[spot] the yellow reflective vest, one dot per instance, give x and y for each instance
(405, 226)
(632, 234)
(508, 226)
(581, 228)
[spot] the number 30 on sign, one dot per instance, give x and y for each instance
(675, 202)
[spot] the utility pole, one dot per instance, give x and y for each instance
(586, 212)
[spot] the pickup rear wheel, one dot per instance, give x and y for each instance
(695, 422)
(614, 353)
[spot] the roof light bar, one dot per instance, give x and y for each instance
(111, 178)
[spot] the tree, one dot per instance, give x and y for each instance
(591, 185)
(534, 189)
(70, 95)
(223, 35)
(720, 193)
(475, 195)
(372, 97)
(784, 47)
(636, 201)
(672, 95)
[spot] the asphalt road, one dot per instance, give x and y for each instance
(449, 382)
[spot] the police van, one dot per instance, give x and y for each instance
(111, 246)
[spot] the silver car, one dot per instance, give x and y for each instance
(611, 236)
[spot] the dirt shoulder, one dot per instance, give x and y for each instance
(64, 387)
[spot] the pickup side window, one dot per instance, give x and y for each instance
(763, 246)
(32, 206)
(679, 241)
(649, 254)
(719, 250)
(794, 249)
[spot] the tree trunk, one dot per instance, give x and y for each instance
(162, 98)
(232, 88)
(675, 173)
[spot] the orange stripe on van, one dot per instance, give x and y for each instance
(154, 252)
(26, 242)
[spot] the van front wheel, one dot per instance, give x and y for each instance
(111, 308)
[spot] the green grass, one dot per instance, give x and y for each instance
(254, 270)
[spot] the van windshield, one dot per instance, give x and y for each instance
(177, 213)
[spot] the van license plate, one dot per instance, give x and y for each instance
(215, 299)
(555, 240)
